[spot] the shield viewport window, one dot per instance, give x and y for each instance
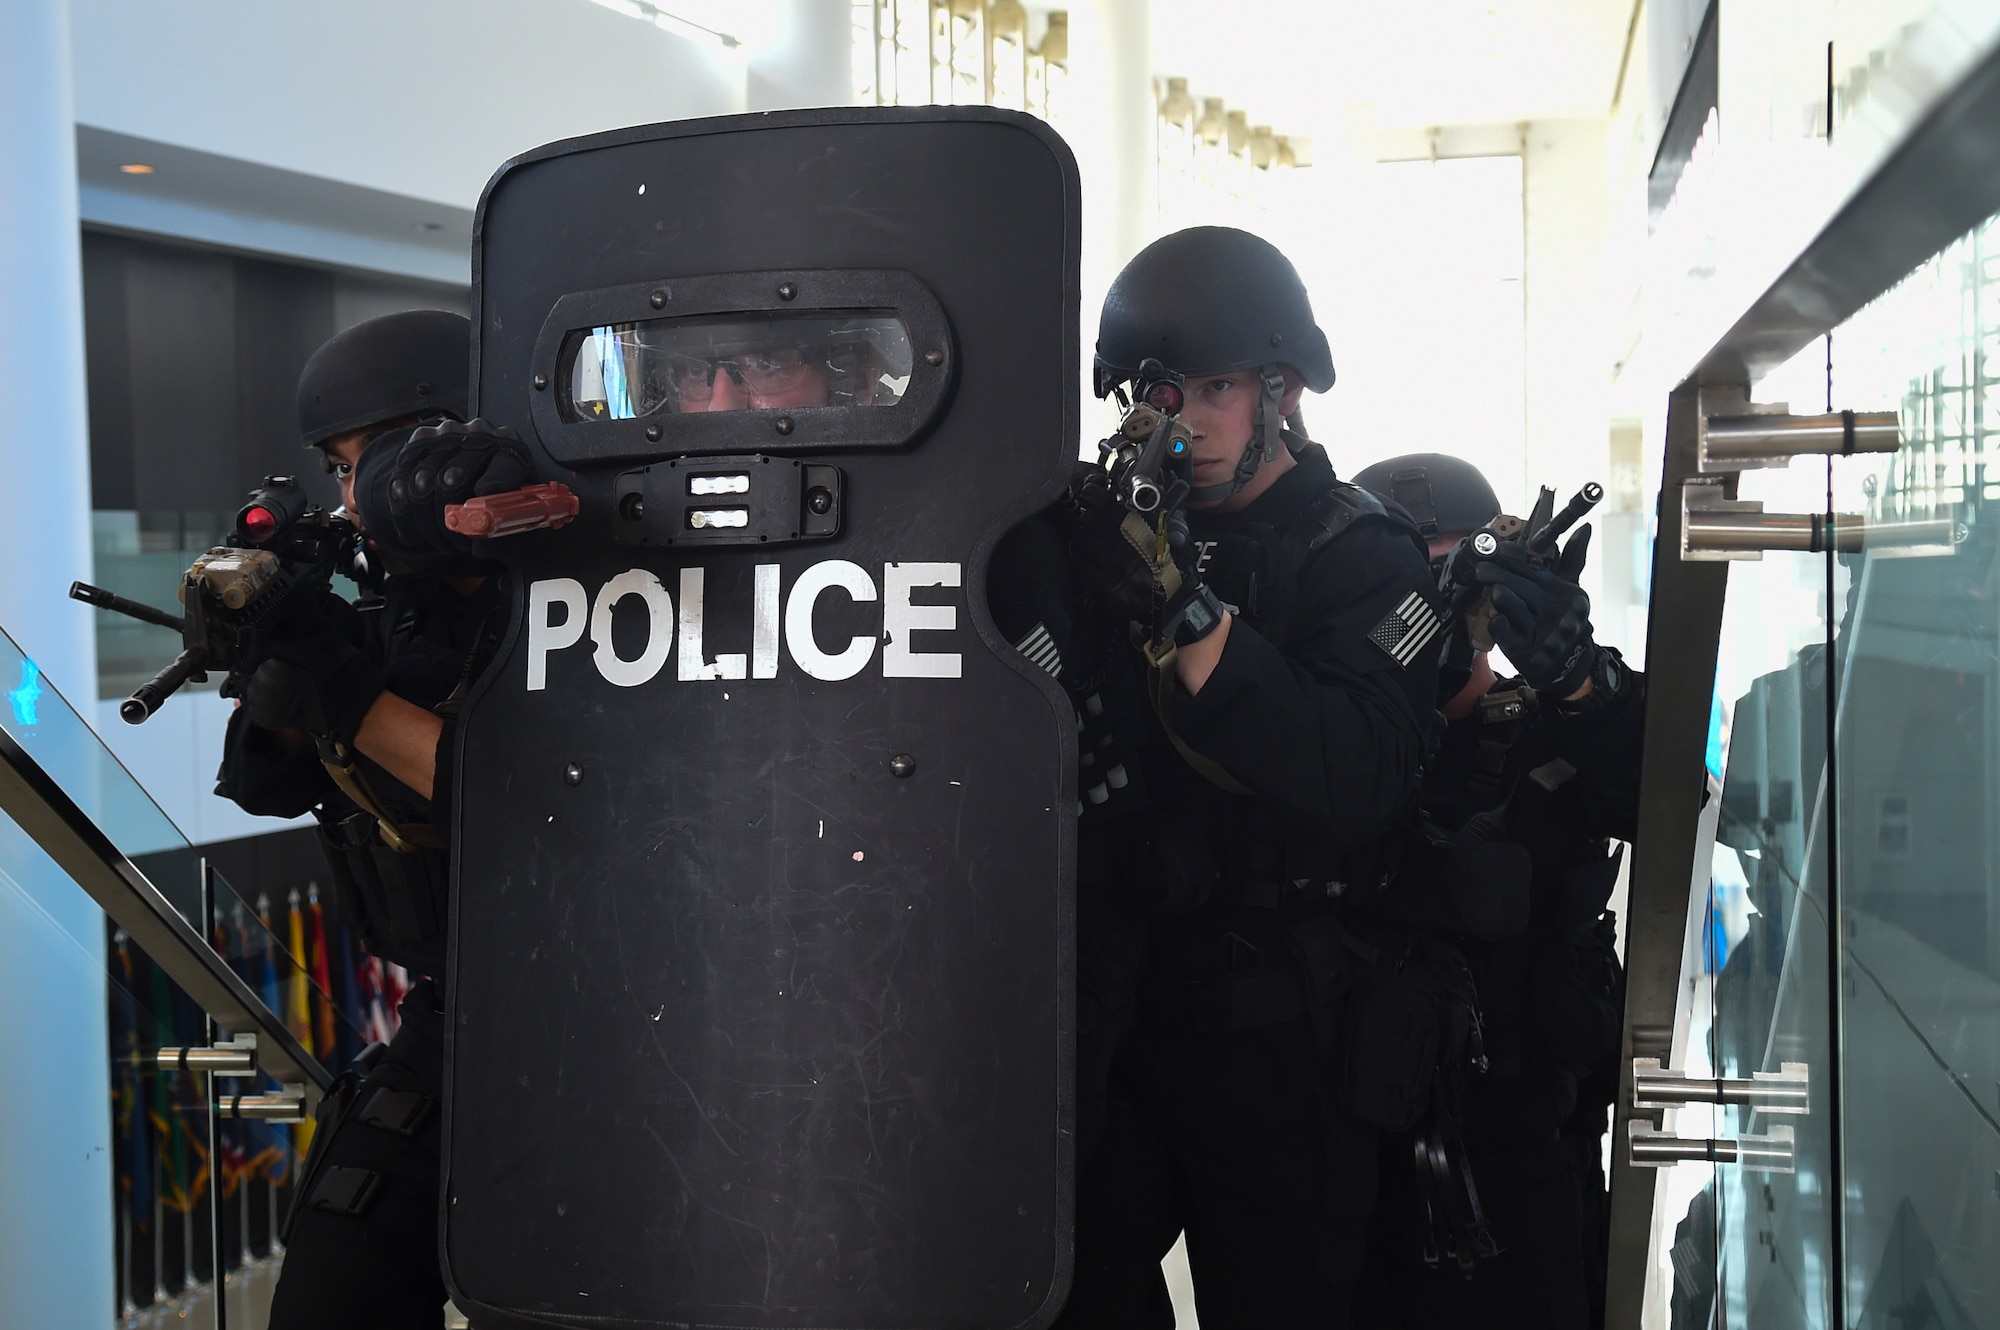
(736, 362)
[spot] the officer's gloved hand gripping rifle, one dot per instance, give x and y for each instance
(1512, 587)
(261, 609)
(1131, 545)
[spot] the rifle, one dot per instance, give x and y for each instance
(282, 550)
(1148, 457)
(1534, 538)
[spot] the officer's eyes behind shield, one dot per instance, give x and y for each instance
(737, 362)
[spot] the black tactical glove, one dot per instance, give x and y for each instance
(1117, 574)
(313, 675)
(402, 491)
(1542, 617)
(1122, 562)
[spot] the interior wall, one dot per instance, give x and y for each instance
(56, 1261)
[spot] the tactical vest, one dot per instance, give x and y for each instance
(391, 870)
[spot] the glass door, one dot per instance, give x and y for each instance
(1917, 770)
(1763, 984)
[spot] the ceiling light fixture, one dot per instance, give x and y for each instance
(136, 168)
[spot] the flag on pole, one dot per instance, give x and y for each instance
(353, 1002)
(135, 1160)
(373, 985)
(298, 1003)
(277, 1158)
(325, 1041)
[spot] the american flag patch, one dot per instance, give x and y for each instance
(1039, 647)
(1405, 630)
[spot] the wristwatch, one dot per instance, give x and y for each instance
(1198, 613)
(1607, 676)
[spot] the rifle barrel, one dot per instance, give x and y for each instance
(117, 604)
(1584, 500)
(148, 696)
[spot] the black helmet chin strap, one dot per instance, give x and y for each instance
(1266, 438)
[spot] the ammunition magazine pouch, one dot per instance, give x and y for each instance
(395, 899)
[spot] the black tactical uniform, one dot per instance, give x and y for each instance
(1559, 781)
(361, 1240)
(362, 1237)
(1261, 800)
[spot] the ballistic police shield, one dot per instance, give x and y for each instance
(759, 986)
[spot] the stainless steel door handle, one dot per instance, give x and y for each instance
(1787, 1090)
(1742, 442)
(1648, 1147)
(1715, 528)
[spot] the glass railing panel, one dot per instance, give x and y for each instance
(174, 1175)
(192, 1198)
(176, 1171)
(300, 974)
(37, 716)
(1917, 753)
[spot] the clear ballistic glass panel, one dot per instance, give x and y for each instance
(737, 362)
(1917, 759)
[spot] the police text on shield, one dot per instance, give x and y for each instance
(561, 610)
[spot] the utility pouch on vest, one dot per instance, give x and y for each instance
(1412, 1030)
(336, 1108)
(396, 900)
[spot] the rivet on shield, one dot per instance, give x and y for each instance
(784, 424)
(934, 358)
(788, 291)
(1484, 543)
(541, 382)
(653, 433)
(572, 774)
(659, 299)
(902, 766)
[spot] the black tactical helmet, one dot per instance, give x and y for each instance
(1446, 495)
(417, 363)
(1209, 300)
(1205, 301)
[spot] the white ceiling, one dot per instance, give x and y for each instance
(1303, 65)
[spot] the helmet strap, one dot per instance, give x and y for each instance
(1266, 437)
